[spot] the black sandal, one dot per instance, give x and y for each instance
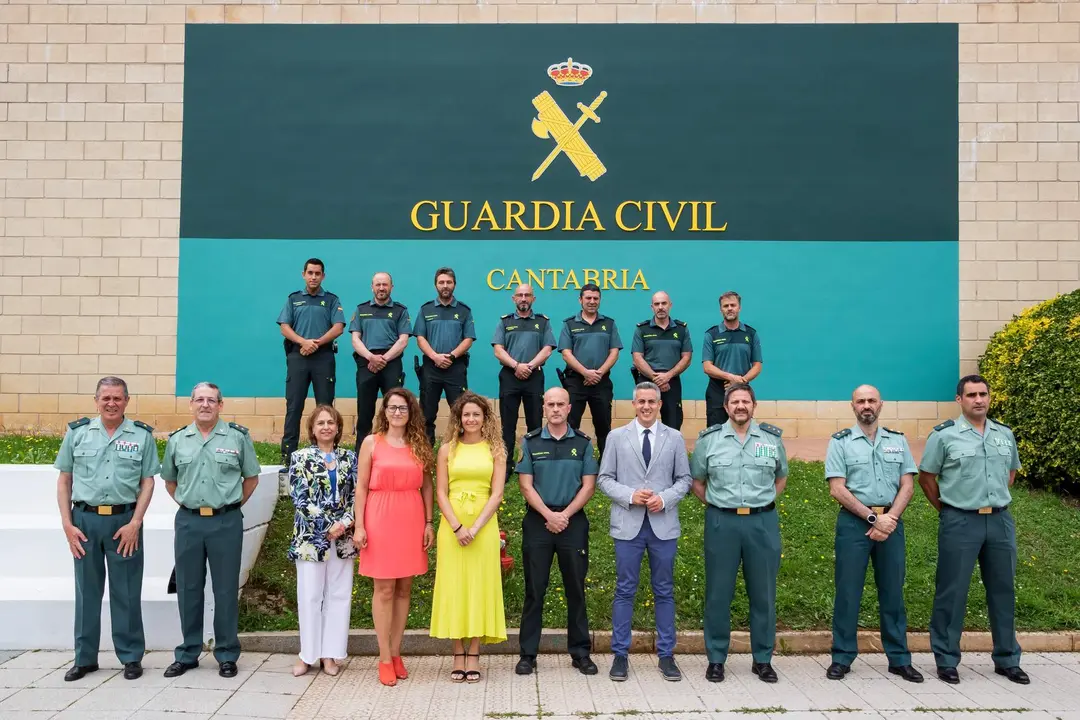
(459, 675)
(472, 676)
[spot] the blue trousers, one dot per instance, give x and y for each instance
(628, 555)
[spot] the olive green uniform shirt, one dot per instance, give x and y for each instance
(210, 472)
(871, 468)
(739, 473)
(972, 468)
(107, 470)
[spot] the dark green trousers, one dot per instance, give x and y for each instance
(753, 541)
(218, 540)
(853, 551)
(125, 589)
(963, 539)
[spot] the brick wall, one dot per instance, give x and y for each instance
(90, 132)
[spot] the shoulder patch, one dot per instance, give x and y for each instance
(534, 433)
(771, 429)
(644, 323)
(710, 429)
(680, 323)
(144, 426)
(842, 434)
(241, 428)
(79, 423)
(176, 431)
(890, 430)
(946, 424)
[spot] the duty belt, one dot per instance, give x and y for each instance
(876, 509)
(747, 510)
(210, 512)
(104, 509)
(988, 510)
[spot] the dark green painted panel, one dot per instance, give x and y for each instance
(795, 132)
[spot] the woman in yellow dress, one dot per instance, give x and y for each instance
(467, 605)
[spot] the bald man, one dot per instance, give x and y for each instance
(557, 474)
(661, 351)
(871, 474)
(522, 343)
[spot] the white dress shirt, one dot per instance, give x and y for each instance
(640, 429)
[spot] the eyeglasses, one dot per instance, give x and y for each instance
(397, 409)
(204, 401)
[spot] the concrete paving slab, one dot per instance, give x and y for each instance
(55, 699)
(6, 655)
(50, 659)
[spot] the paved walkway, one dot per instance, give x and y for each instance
(32, 686)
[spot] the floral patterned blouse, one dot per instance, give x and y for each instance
(319, 505)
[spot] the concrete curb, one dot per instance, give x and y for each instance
(814, 642)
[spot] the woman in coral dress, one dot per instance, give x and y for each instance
(468, 598)
(393, 519)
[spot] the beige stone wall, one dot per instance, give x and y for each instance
(90, 132)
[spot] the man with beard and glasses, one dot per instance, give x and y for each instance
(523, 342)
(730, 353)
(967, 469)
(380, 333)
(444, 332)
(661, 351)
(739, 468)
(871, 473)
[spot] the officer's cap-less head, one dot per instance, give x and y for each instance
(973, 396)
(866, 404)
(111, 398)
(206, 402)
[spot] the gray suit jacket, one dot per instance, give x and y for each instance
(622, 471)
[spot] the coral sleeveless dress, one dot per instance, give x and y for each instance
(468, 596)
(393, 515)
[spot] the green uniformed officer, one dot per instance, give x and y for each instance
(210, 469)
(730, 353)
(871, 473)
(523, 341)
(107, 468)
(967, 468)
(557, 474)
(380, 333)
(661, 351)
(739, 468)
(590, 344)
(444, 332)
(311, 321)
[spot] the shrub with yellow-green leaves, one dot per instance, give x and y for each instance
(1033, 366)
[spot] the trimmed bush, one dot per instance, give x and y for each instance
(1033, 365)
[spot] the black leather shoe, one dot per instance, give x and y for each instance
(715, 672)
(178, 668)
(585, 665)
(765, 672)
(132, 670)
(907, 672)
(525, 665)
(227, 669)
(620, 669)
(78, 672)
(837, 671)
(669, 669)
(949, 675)
(1015, 674)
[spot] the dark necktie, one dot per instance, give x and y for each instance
(646, 449)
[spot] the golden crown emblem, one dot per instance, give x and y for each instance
(569, 73)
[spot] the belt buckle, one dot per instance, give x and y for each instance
(104, 509)
(985, 510)
(878, 509)
(206, 511)
(742, 511)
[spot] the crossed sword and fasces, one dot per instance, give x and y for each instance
(552, 122)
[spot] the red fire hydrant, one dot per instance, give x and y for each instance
(504, 558)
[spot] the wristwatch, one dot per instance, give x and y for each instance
(871, 518)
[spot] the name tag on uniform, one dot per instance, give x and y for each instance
(126, 446)
(890, 449)
(227, 451)
(765, 450)
(1002, 442)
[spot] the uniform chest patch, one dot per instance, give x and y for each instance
(765, 450)
(126, 446)
(227, 451)
(892, 449)
(1003, 442)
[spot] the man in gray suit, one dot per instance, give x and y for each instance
(645, 472)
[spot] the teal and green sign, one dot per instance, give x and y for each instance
(813, 169)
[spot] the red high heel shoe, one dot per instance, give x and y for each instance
(399, 668)
(386, 674)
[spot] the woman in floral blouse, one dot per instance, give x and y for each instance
(322, 482)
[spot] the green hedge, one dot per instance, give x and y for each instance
(1033, 366)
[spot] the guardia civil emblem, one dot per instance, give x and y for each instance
(551, 122)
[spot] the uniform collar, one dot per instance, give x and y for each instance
(579, 318)
(962, 424)
(530, 316)
(318, 294)
(389, 302)
(724, 328)
(729, 430)
(857, 432)
(670, 322)
(221, 428)
(453, 302)
(126, 425)
(548, 436)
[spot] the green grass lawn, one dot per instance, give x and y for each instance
(1047, 588)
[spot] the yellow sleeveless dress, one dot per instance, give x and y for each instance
(468, 596)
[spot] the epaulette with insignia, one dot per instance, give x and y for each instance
(890, 430)
(710, 429)
(78, 423)
(772, 429)
(680, 323)
(507, 315)
(946, 424)
(842, 434)
(241, 428)
(1002, 425)
(177, 430)
(644, 323)
(534, 433)
(144, 426)
(581, 434)
(542, 315)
